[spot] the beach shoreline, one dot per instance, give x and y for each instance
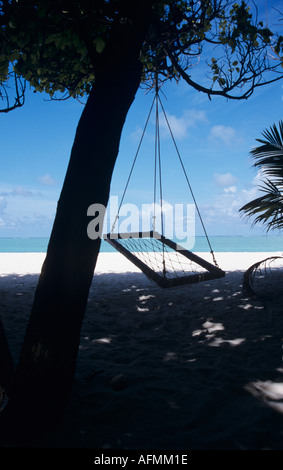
(31, 263)
(192, 367)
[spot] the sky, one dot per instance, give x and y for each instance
(214, 139)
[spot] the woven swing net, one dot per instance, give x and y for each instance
(162, 260)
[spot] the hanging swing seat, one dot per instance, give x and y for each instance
(162, 260)
(159, 258)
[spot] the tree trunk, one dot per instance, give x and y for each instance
(7, 370)
(48, 359)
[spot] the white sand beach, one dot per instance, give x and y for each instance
(191, 367)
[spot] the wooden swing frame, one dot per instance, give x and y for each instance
(212, 272)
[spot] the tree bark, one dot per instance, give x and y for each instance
(7, 369)
(48, 359)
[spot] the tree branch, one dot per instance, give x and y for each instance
(19, 99)
(223, 92)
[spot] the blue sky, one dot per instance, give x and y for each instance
(214, 139)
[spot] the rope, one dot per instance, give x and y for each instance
(188, 182)
(155, 171)
(133, 165)
(158, 157)
(157, 100)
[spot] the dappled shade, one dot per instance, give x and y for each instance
(196, 367)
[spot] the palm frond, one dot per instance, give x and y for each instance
(275, 136)
(269, 156)
(267, 209)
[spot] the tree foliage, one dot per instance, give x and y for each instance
(268, 208)
(57, 46)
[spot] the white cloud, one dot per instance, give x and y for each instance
(47, 180)
(258, 179)
(32, 219)
(230, 189)
(3, 203)
(224, 208)
(136, 134)
(225, 179)
(225, 134)
(181, 125)
(26, 211)
(253, 190)
(20, 191)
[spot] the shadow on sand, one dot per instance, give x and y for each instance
(193, 367)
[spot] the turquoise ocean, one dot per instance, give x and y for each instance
(265, 243)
